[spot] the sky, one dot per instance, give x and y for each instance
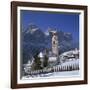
(66, 22)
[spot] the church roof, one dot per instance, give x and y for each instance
(41, 55)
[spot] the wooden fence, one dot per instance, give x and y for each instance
(59, 68)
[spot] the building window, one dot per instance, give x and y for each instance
(53, 42)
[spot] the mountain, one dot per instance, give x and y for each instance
(35, 40)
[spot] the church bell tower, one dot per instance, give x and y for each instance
(54, 43)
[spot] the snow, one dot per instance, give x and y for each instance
(53, 31)
(54, 75)
(52, 59)
(74, 61)
(33, 30)
(70, 52)
(47, 33)
(41, 55)
(74, 73)
(68, 62)
(69, 56)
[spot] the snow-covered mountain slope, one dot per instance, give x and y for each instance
(72, 63)
(70, 52)
(69, 55)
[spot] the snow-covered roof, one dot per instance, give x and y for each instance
(76, 51)
(41, 55)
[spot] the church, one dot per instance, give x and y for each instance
(52, 54)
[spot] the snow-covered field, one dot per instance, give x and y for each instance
(54, 75)
(74, 61)
(73, 73)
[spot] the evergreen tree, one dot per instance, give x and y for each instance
(45, 63)
(37, 63)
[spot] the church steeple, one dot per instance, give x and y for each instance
(54, 42)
